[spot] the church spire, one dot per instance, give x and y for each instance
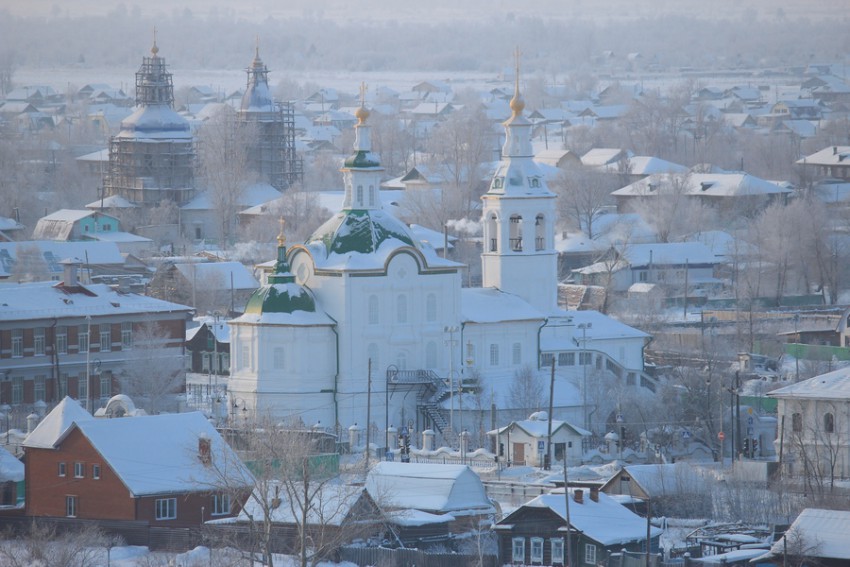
(282, 273)
(362, 169)
(517, 127)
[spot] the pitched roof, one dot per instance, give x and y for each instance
(606, 521)
(56, 423)
(429, 487)
(158, 454)
(219, 275)
(11, 468)
(823, 531)
(665, 479)
(491, 305)
(833, 385)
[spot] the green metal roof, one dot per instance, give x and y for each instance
(280, 298)
(362, 158)
(361, 231)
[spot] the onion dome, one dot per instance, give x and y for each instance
(281, 294)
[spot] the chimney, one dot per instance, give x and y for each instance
(834, 150)
(578, 496)
(594, 493)
(70, 273)
(204, 452)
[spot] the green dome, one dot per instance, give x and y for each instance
(362, 159)
(280, 298)
(361, 231)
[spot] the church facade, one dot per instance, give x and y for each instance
(365, 318)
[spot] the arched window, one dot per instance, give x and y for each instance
(534, 182)
(797, 422)
(493, 233)
(373, 310)
(516, 233)
(431, 308)
(539, 233)
(431, 355)
(359, 197)
(401, 309)
(494, 355)
(371, 195)
(498, 182)
(829, 423)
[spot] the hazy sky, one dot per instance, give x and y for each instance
(432, 10)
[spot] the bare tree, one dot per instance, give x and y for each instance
(527, 392)
(224, 147)
(583, 195)
(43, 544)
(154, 371)
(296, 483)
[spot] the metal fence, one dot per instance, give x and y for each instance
(384, 557)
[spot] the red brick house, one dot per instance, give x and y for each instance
(162, 469)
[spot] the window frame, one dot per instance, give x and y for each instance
(95, 471)
(518, 550)
(126, 335)
(83, 339)
(494, 354)
(17, 343)
(105, 338)
(39, 341)
(536, 550)
(72, 509)
(557, 543)
(221, 505)
(165, 509)
(62, 469)
(62, 340)
(590, 553)
(79, 469)
(797, 422)
(516, 354)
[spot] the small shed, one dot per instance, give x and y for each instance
(526, 441)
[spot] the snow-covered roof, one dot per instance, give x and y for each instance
(250, 196)
(42, 300)
(666, 479)
(416, 518)
(830, 155)
(727, 184)
(606, 521)
(155, 122)
(332, 504)
(11, 468)
(540, 427)
(112, 202)
(428, 487)
(833, 385)
(648, 165)
(116, 236)
(491, 305)
(158, 454)
(603, 156)
(223, 274)
(824, 531)
(564, 328)
(85, 252)
(56, 423)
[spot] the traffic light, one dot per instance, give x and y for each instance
(755, 447)
(746, 447)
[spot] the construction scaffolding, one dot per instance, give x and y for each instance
(153, 157)
(272, 155)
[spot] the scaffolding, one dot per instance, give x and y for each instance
(272, 156)
(153, 157)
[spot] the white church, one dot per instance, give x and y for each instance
(365, 318)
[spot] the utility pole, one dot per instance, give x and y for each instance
(567, 508)
(548, 462)
(451, 330)
(368, 411)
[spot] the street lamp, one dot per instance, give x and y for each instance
(392, 375)
(88, 365)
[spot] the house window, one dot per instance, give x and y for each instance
(643, 276)
(585, 358)
(797, 422)
(546, 359)
(38, 388)
(198, 233)
(245, 356)
(166, 508)
(126, 335)
(373, 310)
(498, 182)
(83, 338)
(566, 359)
(17, 390)
(221, 504)
(79, 470)
(516, 354)
(62, 340)
(95, 472)
(518, 550)
(105, 385)
(279, 358)
(431, 308)
(359, 202)
(494, 355)
(828, 423)
(17, 342)
(371, 195)
(401, 309)
(590, 553)
(38, 341)
(105, 338)
(470, 352)
(61, 469)
(537, 550)
(71, 506)
(557, 550)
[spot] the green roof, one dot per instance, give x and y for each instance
(361, 231)
(362, 158)
(280, 298)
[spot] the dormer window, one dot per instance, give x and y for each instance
(534, 183)
(705, 185)
(498, 183)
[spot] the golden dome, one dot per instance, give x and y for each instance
(361, 114)
(517, 104)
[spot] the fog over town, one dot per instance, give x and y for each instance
(327, 283)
